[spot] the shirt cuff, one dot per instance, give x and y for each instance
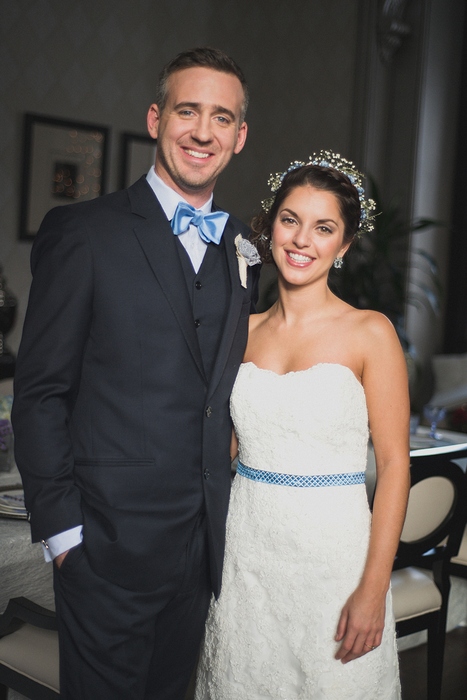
(57, 544)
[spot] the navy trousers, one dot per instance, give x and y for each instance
(117, 644)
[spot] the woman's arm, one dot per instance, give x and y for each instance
(233, 446)
(386, 388)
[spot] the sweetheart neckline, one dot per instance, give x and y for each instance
(302, 371)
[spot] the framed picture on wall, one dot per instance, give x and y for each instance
(63, 162)
(138, 154)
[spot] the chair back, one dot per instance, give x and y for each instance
(437, 507)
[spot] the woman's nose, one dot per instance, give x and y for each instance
(302, 237)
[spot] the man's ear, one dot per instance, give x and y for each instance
(153, 121)
(241, 137)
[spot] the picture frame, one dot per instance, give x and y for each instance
(138, 153)
(63, 162)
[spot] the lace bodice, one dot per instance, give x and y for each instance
(312, 422)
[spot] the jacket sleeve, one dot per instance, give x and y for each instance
(47, 376)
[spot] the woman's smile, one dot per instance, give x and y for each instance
(299, 258)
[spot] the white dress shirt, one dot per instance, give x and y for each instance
(169, 199)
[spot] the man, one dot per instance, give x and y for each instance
(131, 344)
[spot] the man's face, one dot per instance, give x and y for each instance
(198, 130)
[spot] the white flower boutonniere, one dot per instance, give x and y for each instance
(247, 255)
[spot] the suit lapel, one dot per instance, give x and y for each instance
(155, 236)
(235, 305)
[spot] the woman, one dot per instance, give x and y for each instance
(305, 609)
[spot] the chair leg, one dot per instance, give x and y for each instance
(435, 656)
(3, 692)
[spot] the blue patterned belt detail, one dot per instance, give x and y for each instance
(345, 479)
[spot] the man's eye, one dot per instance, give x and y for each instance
(223, 120)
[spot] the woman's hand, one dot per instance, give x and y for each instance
(361, 625)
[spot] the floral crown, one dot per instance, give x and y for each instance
(328, 159)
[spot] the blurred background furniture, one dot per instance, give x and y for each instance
(435, 522)
(28, 651)
(450, 380)
(23, 570)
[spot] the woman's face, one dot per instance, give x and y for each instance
(307, 235)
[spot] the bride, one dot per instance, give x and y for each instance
(305, 609)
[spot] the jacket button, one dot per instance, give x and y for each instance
(206, 474)
(197, 323)
(198, 284)
(208, 412)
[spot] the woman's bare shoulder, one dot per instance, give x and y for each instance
(370, 335)
(373, 323)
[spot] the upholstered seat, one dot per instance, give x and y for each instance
(28, 651)
(414, 593)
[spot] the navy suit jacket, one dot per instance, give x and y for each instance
(116, 425)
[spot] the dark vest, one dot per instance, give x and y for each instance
(209, 291)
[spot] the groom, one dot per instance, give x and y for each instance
(136, 325)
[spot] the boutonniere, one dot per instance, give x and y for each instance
(247, 255)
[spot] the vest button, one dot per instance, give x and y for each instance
(206, 474)
(197, 323)
(198, 284)
(208, 412)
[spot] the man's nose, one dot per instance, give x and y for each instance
(202, 129)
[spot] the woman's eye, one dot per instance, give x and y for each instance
(325, 229)
(287, 220)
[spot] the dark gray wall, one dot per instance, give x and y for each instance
(98, 62)
(316, 79)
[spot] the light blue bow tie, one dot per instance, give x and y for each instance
(210, 226)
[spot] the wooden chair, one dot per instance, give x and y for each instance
(29, 651)
(432, 534)
(459, 563)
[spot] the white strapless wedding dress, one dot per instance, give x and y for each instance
(295, 553)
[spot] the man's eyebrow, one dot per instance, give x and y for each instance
(216, 109)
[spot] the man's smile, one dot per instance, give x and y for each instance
(196, 154)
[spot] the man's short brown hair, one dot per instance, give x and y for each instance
(205, 57)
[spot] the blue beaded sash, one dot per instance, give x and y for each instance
(345, 479)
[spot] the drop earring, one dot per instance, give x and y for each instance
(270, 244)
(338, 262)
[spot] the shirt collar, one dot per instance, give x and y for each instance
(168, 198)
